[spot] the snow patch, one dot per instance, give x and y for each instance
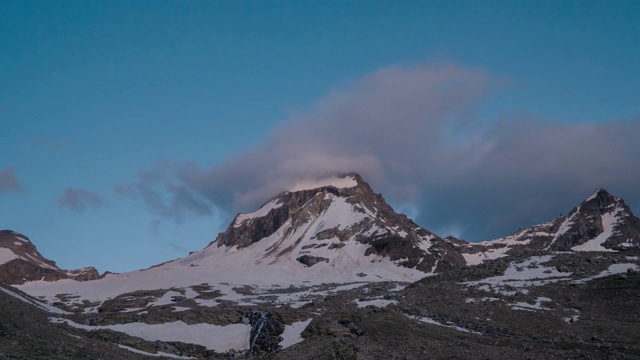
(573, 318)
(531, 307)
(214, 337)
(491, 254)
(483, 299)
(612, 270)
(291, 335)
(341, 183)
(7, 255)
(429, 320)
(609, 220)
(165, 299)
(375, 302)
(593, 196)
(263, 211)
(158, 354)
(180, 308)
(520, 276)
(45, 307)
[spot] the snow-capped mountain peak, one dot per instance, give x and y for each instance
(336, 223)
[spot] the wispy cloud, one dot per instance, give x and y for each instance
(8, 181)
(414, 133)
(164, 195)
(78, 199)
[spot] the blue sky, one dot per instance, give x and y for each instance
(132, 132)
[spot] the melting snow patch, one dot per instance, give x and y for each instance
(398, 287)
(521, 275)
(478, 258)
(612, 270)
(571, 319)
(6, 255)
(131, 310)
(180, 308)
(484, 299)
(292, 333)
(45, 307)
(448, 325)
(166, 299)
(530, 307)
(150, 354)
(375, 302)
(214, 337)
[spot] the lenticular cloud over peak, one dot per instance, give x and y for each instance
(414, 134)
(380, 127)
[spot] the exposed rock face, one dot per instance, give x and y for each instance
(602, 222)
(315, 223)
(20, 262)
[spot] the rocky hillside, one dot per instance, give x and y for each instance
(20, 262)
(26, 333)
(602, 222)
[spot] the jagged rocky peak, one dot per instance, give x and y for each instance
(602, 222)
(602, 202)
(318, 219)
(600, 195)
(20, 261)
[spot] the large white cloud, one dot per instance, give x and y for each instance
(413, 133)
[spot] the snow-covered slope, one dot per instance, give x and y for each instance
(20, 261)
(602, 222)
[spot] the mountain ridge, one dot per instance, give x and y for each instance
(359, 216)
(601, 222)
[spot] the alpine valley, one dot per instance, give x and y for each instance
(328, 270)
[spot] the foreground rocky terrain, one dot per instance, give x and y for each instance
(541, 305)
(447, 317)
